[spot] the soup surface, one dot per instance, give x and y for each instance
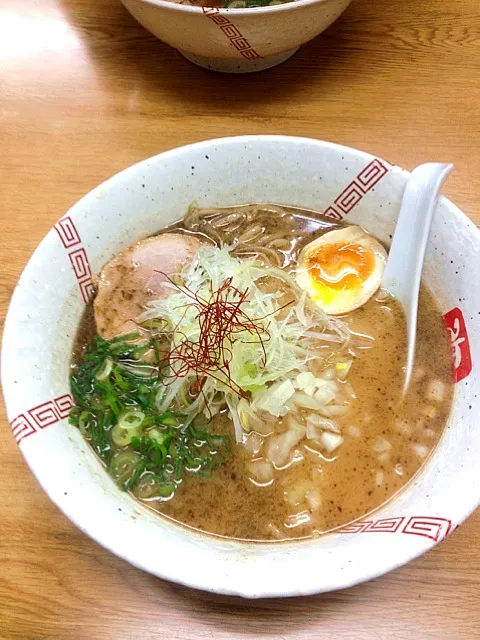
(345, 440)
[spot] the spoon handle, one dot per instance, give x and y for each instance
(405, 261)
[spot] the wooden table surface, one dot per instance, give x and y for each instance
(85, 92)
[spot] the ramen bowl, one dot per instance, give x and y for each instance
(50, 298)
(236, 40)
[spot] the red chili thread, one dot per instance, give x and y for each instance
(221, 320)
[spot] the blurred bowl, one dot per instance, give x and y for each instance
(236, 40)
(49, 301)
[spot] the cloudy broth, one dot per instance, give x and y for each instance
(386, 442)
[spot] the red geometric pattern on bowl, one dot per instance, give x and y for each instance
(330, 212)
(67, 232)
(21, 428)
(79, 261)
(70, 237)
(434, 528)
(43, 415)
(63, 405)
(373, 172)
(386, 525)
(462, 359)
(349, 198)
(364, 182)
(426, 526)
(232, 33)
(86, 289)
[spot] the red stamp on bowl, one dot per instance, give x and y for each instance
(462, 360)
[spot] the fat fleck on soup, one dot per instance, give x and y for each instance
(241, 371)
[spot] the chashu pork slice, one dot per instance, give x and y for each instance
(134, 277)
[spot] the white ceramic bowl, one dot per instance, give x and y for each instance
(49, 300)
(236, 40)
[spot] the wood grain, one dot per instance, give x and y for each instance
(85, 92)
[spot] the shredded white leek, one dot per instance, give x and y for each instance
(267, 366)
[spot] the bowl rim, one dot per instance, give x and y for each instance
(250, 11)
(196, 581)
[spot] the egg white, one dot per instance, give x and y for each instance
(336, 302)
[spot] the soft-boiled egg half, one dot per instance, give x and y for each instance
(342, 269)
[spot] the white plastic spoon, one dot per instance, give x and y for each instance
(405, 260)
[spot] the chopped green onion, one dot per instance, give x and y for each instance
(122, 437)
(170, 419)
(157, 435)
(123, 466)
(117, 409)
(105, 370)
(151, 486)
(83, 422)
(131, 419)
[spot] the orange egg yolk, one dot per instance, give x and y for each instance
(340, 266)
